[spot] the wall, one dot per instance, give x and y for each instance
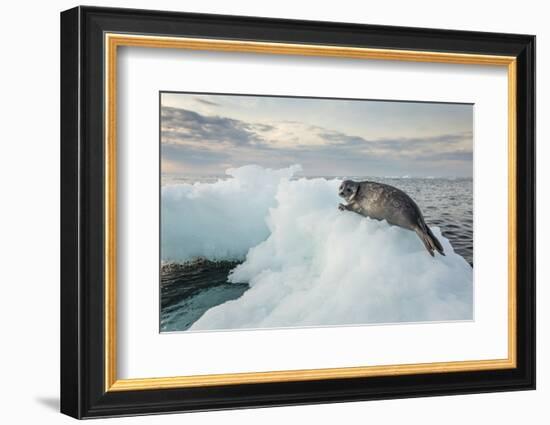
(29, 224)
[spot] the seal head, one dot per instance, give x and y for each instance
(348, 190)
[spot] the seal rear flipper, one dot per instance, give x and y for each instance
(425, 240)
(436, 244)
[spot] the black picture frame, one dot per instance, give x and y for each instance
(83, 392)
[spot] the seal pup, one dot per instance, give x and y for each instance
(384, 202)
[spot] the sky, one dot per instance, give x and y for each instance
(205, 134)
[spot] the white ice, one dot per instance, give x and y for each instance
(221, 220)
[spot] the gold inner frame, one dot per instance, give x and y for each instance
(113, 41)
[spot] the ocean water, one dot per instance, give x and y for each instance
(197, 281)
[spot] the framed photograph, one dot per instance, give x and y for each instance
(261, 212)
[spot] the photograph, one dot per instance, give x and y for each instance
(292, 212)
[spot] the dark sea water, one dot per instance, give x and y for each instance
(189, 290)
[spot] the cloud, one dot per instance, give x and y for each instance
(338, 138)
(451, 156)
(199, 140)
(181, 125)
(181, 153)
(206, 102)
(423, 142)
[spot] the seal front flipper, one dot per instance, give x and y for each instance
(343, 207)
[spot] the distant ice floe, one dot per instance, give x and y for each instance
(307, 263)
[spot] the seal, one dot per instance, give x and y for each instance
(384, 202)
